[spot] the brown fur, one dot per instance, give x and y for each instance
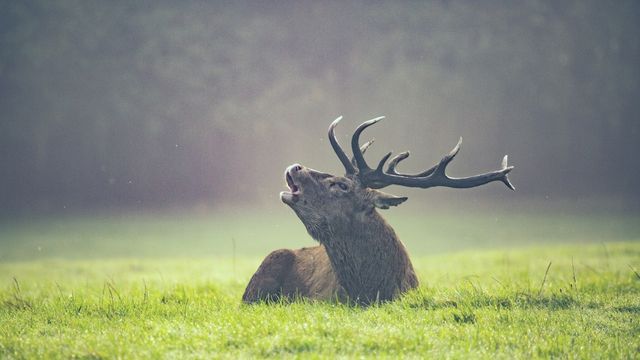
(286, 273)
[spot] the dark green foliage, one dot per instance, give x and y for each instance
(155, 103)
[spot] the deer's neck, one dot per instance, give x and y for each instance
(369, 260)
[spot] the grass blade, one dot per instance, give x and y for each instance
(544, 280)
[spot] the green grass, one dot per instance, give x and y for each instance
(255, 233)
(167, 300)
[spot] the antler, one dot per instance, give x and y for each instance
(344, 159)
(434, 176)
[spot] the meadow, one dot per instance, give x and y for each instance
(168, 285)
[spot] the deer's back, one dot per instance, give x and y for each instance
(305, 272)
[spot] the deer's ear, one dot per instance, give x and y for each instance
(384, 201)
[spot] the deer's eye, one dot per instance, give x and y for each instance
(340, 185)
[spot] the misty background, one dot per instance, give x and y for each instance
(161, 104)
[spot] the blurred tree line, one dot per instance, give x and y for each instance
(152, 103)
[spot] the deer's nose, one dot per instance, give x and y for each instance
(295, 167)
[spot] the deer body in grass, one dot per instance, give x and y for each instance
(359, 258)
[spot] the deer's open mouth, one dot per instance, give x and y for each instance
(291, 184)
(291, 196)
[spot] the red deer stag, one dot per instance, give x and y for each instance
(360, 259)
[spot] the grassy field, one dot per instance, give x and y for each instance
(169, 287)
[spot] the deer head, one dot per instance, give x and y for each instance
(326, 202)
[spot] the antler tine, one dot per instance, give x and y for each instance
(363, 149)
(366, 145)
(505, 179)
(344, 159)
(442, 166)
(382, 162)
(391, 169)
(361, 164)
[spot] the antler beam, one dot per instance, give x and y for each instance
(435, 176)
